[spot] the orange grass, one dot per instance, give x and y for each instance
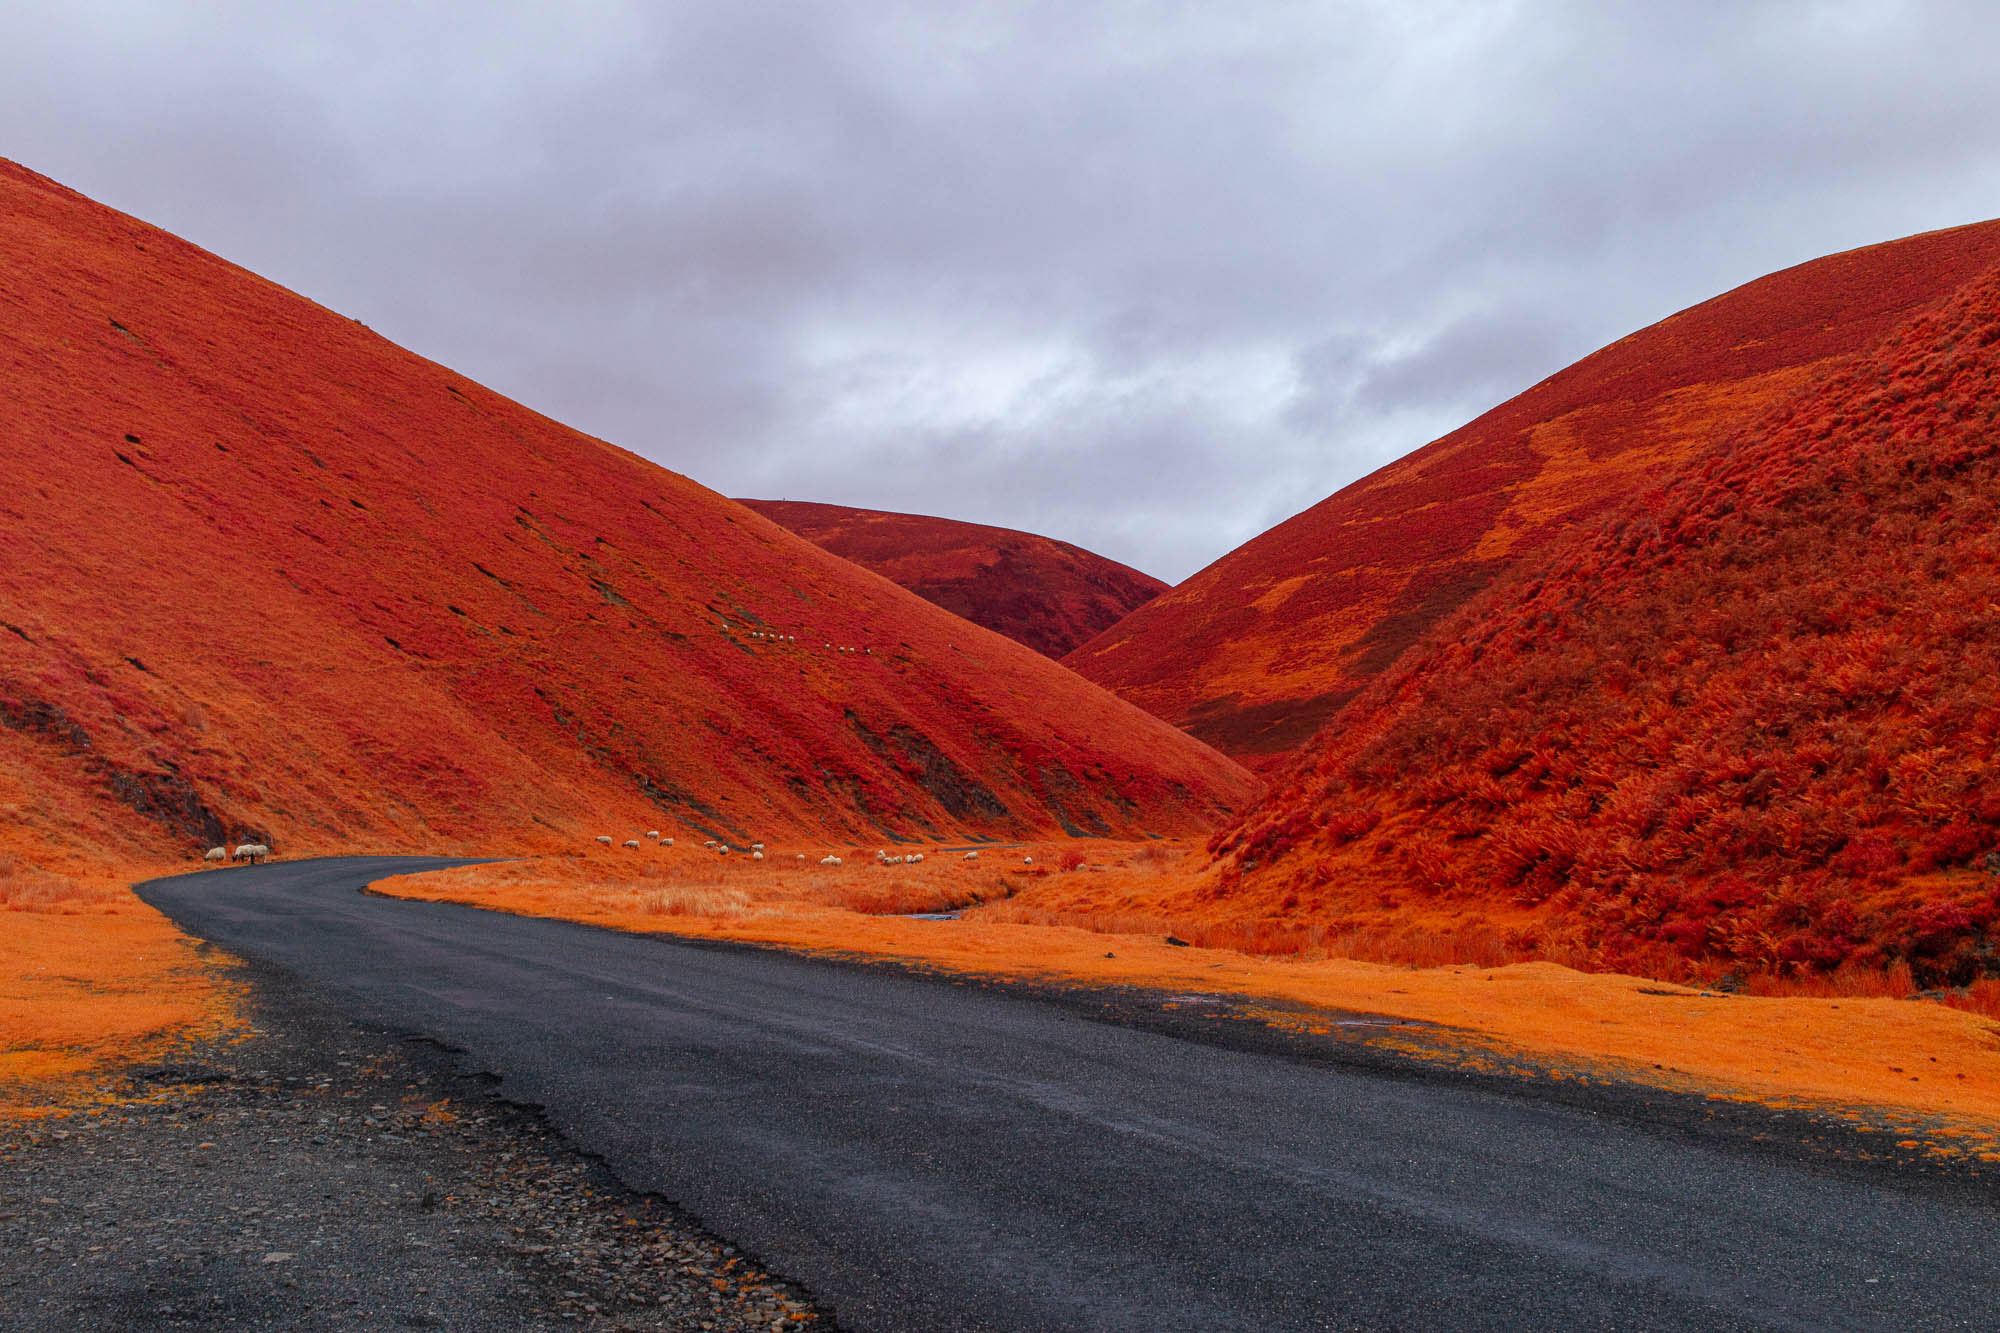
(91, 980)
(1902, 1059)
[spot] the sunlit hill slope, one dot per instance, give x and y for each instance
(264, 573)
(1047, 594)
(1749, 721)
(1256, 652)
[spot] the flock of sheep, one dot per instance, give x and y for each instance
(756, 850)
(253, 852)
(793, 638)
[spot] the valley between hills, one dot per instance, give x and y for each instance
(1637, 735)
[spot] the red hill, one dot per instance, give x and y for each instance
(1747, 723)
(1047, 594)
(1256, 652)
(262, 571)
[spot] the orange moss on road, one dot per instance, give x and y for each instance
(92, 981)
(1898, 1059)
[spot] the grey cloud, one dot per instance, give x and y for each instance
(1146, 277)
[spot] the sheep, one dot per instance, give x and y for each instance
(802, 857)
(829, 860)
(217, 854)
(630, 842)
(666, 842)
(756, 846)
(710, 843)
(253, 852)
(604, 838)
(970, 856)
(1027, 860)
(653, 833)
(914, 857)
(723, 850)
(892, 860)
(756, 856)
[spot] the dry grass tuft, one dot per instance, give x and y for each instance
(27, 889)
(695, 902)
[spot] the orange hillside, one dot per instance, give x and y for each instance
(264, 573)
(1255, 652)
(1748, 724)
(1047, 594)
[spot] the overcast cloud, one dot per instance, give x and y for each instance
(1147, 277)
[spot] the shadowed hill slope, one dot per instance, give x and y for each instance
(1046, 594)
(1748, 723)
(1254, 653)
(263, 572)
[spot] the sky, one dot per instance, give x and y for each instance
(1146, 277)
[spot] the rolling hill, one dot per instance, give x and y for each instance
(264, 573)
(1046, 594)
(1746, 723)
(1256, 652)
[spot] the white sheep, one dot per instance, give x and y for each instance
(653, 833)
(829, 860)
(630, 842)
(756, 846)
(666, 842)
(914, 857)
(802, 857)
(604, 838)
(756, 856)
(217, 854)
(723, 850)
(1027, 860)
(253, 852)
(971, 856)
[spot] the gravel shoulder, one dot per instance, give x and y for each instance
(324, 1174)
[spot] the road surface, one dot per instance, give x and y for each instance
(930, 1157)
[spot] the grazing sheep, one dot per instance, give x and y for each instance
(723, 850)
(604, 838)
(630, 842)
(253, 852)
(710, 843)
(756, 856)
(653, 833)
(1027, 860)
(666, 842)
(914, 857)
(756, 846)
(971, 856)
(802, 856)
(829, 860)
(217, 854)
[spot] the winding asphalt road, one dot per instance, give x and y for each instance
(932, 1157)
